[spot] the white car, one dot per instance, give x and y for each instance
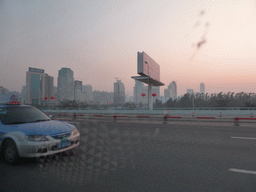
(25, 131)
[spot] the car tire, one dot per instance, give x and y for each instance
(10, 152)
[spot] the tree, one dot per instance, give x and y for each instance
(185, 101)
(171, 103)
(158, 103)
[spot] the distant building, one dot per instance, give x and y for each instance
(48, 87)
(65, 84)
(202, 88)
(78, 91)
(156, 90)
(38, 86)
(167, 93)
(3, 91)
(102, 97)
(88, 94)
(138, 89)
(128, 98)
(119, 93)
(145, 99)
(5, 95)
(55, 92)
(23, 95)
(173, 88)
(190, 91)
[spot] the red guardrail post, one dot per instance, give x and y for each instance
(236, 121)
(165, 117)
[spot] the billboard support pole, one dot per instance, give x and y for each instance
(150, 98)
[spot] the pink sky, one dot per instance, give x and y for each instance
(99, 41)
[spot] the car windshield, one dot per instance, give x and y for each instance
(19, 115)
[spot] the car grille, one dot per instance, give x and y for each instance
(62, 135)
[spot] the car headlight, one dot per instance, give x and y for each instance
(75, 131)
(36, 138)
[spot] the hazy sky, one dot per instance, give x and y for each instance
(99, 40)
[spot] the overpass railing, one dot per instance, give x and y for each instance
(164, 118)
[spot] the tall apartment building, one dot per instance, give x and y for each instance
(167, 93)
(102, 97)
(23, 95)
(48, 87)
(202, 88)
(138, 89)
(173, 89)
(38, 86)
(65, 84)
(87, 91)
(78, 96)
(119, 93)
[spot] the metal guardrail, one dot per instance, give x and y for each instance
(165, 118)
(162, 108)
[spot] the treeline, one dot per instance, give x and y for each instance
(73, 104)
(221, 99)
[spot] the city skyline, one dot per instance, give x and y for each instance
(99, 40)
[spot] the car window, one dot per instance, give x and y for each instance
(19, 115)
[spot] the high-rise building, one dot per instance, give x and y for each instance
(55, 92)
(4, 95)
(173, 88)
(190, 91)
(39, 85)
(137, 91)
(65, 84)
(23, 95)
(102, 97)
(202, 88)
(3, 91)
(167, 93)
(48, 87)
(87, 91)
(78, 91)
(119, 93)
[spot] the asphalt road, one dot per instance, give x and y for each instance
(145, 156)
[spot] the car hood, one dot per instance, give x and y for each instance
(45, 127)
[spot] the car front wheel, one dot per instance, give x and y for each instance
(10, 152)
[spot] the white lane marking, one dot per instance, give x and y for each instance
(243, 138)
(242, 171)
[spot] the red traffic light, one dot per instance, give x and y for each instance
(51, 97)
(45, 98)
(143, 94)
(153, 94)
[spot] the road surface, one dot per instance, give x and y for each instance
(145, 156)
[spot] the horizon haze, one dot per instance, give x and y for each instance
(193, 41)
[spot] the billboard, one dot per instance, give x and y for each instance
(147, 66)
(35, 70)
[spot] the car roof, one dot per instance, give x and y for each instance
(9, 105)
